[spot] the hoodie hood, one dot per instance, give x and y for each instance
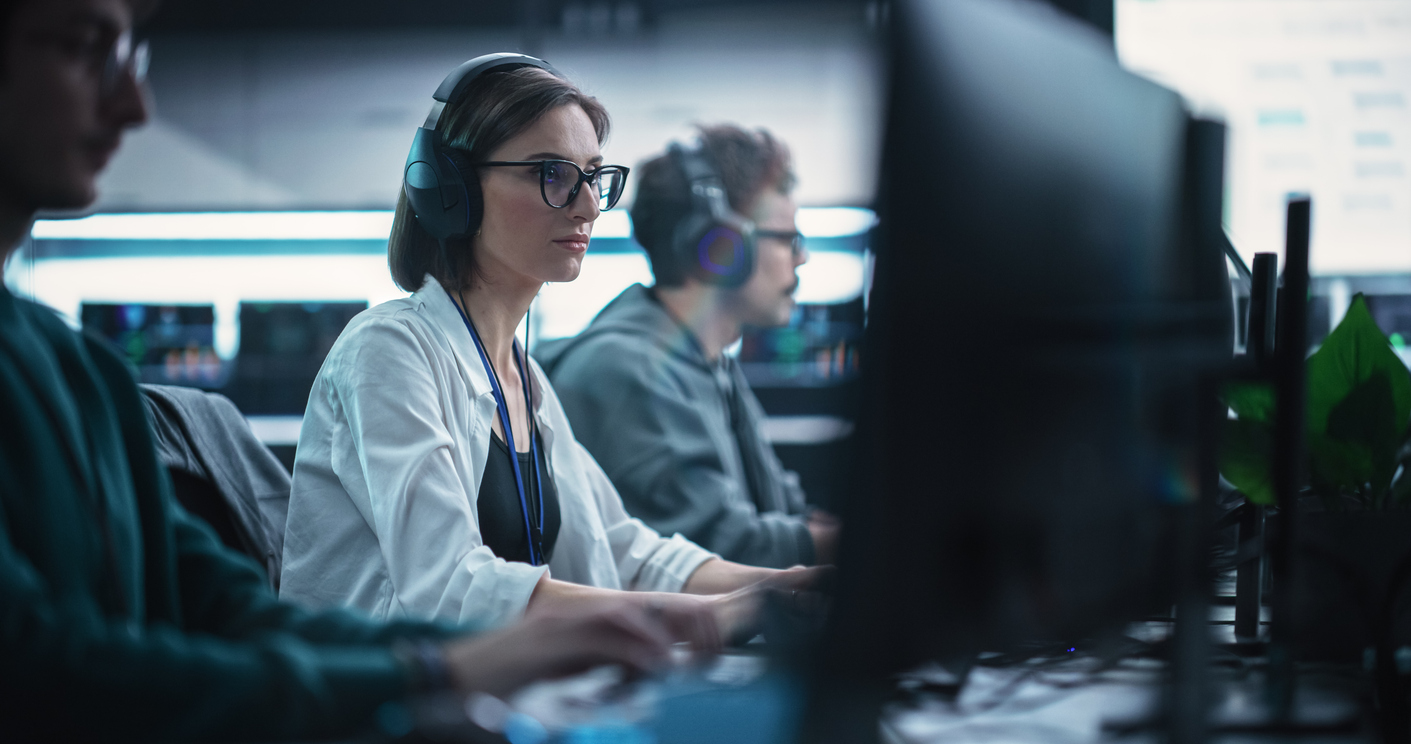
(633, 312)
(678, 435)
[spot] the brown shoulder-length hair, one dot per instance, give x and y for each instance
(491, 111)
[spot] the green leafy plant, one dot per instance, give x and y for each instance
(1359, 408)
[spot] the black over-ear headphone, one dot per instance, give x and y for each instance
(712, 231)
(440, 184)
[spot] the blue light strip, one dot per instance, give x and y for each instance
(816, 222)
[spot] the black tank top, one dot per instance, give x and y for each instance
(501, 519)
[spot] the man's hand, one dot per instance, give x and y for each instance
(547, 645)
(798, 579)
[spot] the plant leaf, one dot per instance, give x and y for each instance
(1352, 354)
(1358, 408)
(1366, 418)
(1246, 456)
(1251, 401)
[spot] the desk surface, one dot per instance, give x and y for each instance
(1032, 702)
(1048, 701)
(1082, 699)
(1074, 702)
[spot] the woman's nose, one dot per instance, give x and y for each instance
(585, 204)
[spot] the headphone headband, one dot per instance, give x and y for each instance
(695, 163)
(456, 82)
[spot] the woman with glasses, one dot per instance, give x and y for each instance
(437, 475)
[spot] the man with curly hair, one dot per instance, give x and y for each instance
(652, 394)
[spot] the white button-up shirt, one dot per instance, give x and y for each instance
(382, 514)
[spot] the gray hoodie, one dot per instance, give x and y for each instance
(678, 435)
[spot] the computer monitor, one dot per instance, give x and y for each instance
(282, 347)
(167, 344)
(1049, 296)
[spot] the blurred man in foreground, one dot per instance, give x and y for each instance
(122, 617)
(648, 387)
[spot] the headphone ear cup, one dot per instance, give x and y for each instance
(468, 182)
(723, 255)
(712, 242)
(689, 233)
(716, 253)
(436, 189)
(742, 265)
(424, 182)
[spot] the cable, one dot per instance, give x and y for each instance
(1240, 267)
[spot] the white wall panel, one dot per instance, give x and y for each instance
(299, 121)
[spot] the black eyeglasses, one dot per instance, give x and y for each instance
(793, 237)
(559, 181)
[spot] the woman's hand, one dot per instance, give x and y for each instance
(686, 618)
(717, 576)
(555, 644)
(702, 622)
(709, 622)
(721, 602)
(741, 591)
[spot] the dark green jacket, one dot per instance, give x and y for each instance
(122, 617)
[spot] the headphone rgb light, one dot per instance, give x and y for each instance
(714, 237)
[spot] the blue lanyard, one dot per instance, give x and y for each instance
(535, 537)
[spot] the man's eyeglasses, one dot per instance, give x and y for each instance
(125, 58)
(793, 237)
(559, 181)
